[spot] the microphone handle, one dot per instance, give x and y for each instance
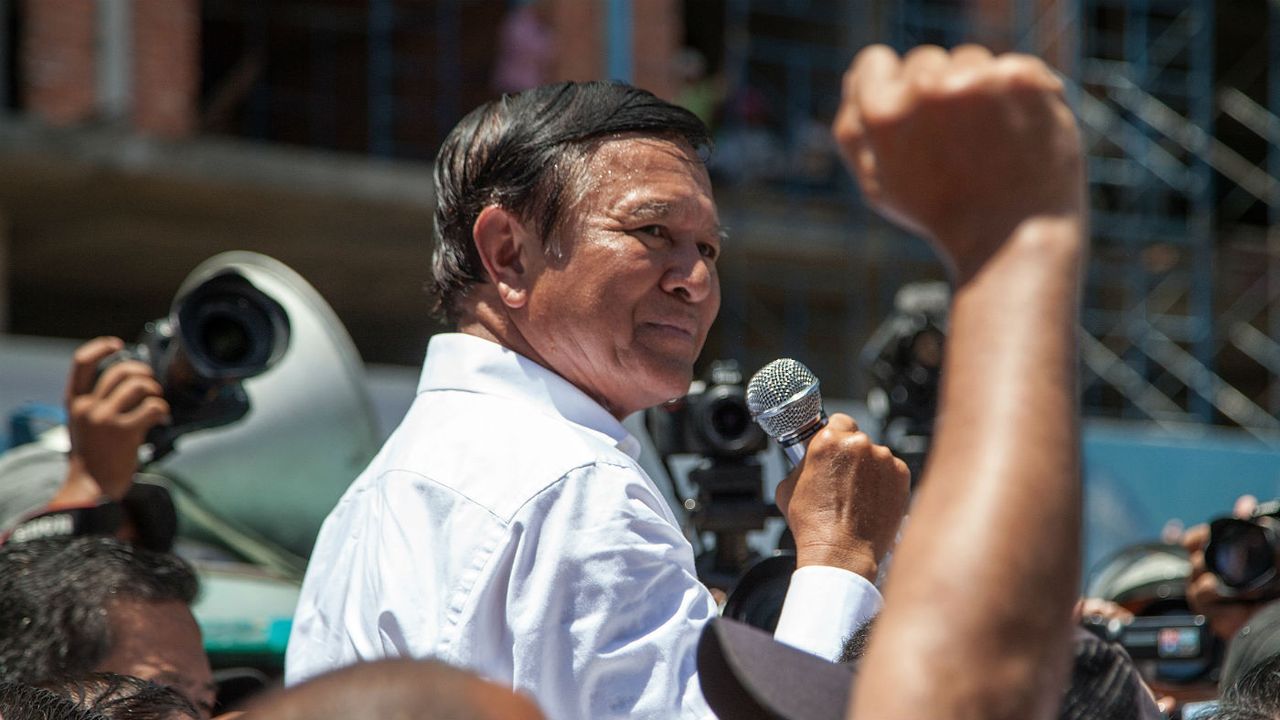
(795, 446)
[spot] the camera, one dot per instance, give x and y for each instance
(1176, 648)
(712, 420)
(221, 332)
(904, 360)
(1158, 637)
(1243, 553)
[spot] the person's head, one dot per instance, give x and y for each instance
(124, 697)
(394, 689)
(73, 607)
(575, 224)
(1255, 695)
(1105, 684)
(19, 701)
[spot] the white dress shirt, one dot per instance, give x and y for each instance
(506, 527)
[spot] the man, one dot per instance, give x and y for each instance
(506, 526)
(94, 604)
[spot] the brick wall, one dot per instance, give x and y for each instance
(166, 66)
(58, 47)
(657, 34)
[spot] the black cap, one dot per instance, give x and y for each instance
(746, 674)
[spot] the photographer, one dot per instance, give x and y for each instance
(1227, 609)
(108, 417)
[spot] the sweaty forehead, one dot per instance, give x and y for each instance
(646, 178)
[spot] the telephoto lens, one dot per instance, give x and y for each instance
(1243, 553)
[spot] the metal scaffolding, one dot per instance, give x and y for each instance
(1182, 310)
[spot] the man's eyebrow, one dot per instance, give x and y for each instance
(649, 210)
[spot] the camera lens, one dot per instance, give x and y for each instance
(225, 339)
(723, 423)
(729, 419)
(1241, 552)
(230, 330)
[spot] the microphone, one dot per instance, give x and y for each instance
(784, 399)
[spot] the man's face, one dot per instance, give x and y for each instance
(623, 309)
(160, 642)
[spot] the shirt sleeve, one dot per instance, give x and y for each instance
(825, 605)
(604, 607)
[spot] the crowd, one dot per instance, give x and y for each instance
(505, 555)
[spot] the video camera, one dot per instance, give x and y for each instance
(904, 359)
(1157, 637)
(221, 332)
(714, 422)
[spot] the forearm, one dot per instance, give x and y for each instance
(1001, 499)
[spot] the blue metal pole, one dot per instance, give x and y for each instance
(618, 31)
(381, 78)
(448, 61)
(259, 116)
(1202, 202)
(1273, 167)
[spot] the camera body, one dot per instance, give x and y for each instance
(220, 333)
(1158, 637)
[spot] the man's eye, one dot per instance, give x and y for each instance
(654, 230)
(708, 251)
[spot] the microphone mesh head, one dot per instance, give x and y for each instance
(783, 397)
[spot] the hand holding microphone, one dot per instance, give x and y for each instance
(846, 496)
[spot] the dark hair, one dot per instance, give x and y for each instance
(55, 595)
(24, 702)
(521, 152)
(1104, 682)
(1255, 696)
(124, 697)
(855, 646)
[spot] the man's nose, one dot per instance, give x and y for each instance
(690, 275)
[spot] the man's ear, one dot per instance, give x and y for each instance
(501, 239)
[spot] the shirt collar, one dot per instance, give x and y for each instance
(457, 361)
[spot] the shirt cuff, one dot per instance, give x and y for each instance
(823, 607)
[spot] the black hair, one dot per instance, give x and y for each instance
(55, 595)
(1104, 682)
(1255, 696)
(855, 646)
(24, 702)
(124, 697)
(521, 152)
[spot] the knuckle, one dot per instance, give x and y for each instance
(857, 443)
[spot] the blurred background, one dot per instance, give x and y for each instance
(140, 137)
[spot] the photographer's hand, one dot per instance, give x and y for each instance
(845, 500)
(108, 417)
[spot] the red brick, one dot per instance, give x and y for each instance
(166, 67)
(58, 60)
